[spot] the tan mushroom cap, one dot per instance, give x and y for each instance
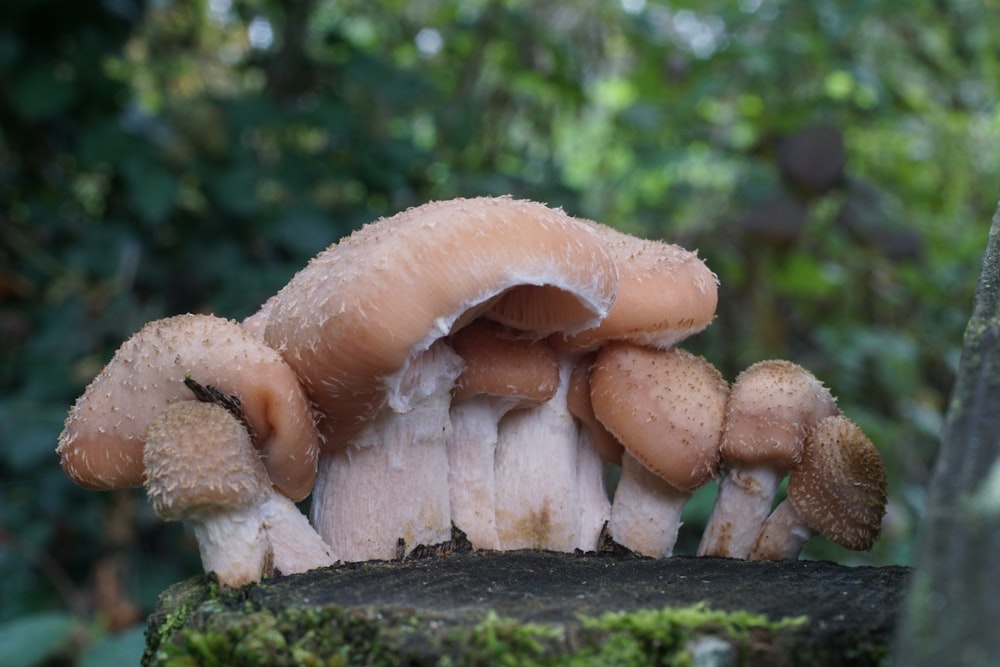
(199, 459)
(497, 363)
(102, 441)
(772, 405)
(579, 403)
(665, 294)
(839, 486)
(665, 406)
(351, 322)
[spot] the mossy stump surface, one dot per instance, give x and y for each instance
(537, 608)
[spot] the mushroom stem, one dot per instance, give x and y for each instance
(391, 482)
(595, 447)
(234, 544)
(745, 497)
(595, 506)
(782, 536)
(537, 494)
(646, 512)
(471, 450)
(296, 545)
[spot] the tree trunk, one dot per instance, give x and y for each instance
(951, 612)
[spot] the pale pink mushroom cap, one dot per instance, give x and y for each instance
(500, 364)
(665, 294)
(102, 441)
(351, 322)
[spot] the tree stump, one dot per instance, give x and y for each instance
(537, 607)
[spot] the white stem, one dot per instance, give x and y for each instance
(391, 482)
(595, 506)
(296, 544)
(745, 498)
(782, 536)
(234, 544)
(537, 499)
(471, 453)
(646, 512)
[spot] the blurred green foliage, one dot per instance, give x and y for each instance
(836, 164)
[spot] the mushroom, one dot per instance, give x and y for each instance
(501, 373)
(101, 444)
(362, 326)
(772, 406)
(665, 294)
(537, 491)
(596, 448)
(838, 489)
(202, 469)
(666, 407)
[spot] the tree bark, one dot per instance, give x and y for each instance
(950, 616)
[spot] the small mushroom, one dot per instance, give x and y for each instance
(502, 372)
(772, 406)
(838, 489)
(666, 407)
(665, 294)
(202, 469)
(101, 444)
(363, 324)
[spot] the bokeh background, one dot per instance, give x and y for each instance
(836, 163)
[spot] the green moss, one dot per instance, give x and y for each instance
(644, 637)
(333, 636)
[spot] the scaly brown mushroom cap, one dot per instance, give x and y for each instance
(199, 459)
(102, 441)
(665, 406)
(351, 321)
(839, 486)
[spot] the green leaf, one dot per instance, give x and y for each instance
(28, 641)
(122, 649)
(38, 93)
(151, 188)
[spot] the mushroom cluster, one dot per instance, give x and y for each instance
(471, 364)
